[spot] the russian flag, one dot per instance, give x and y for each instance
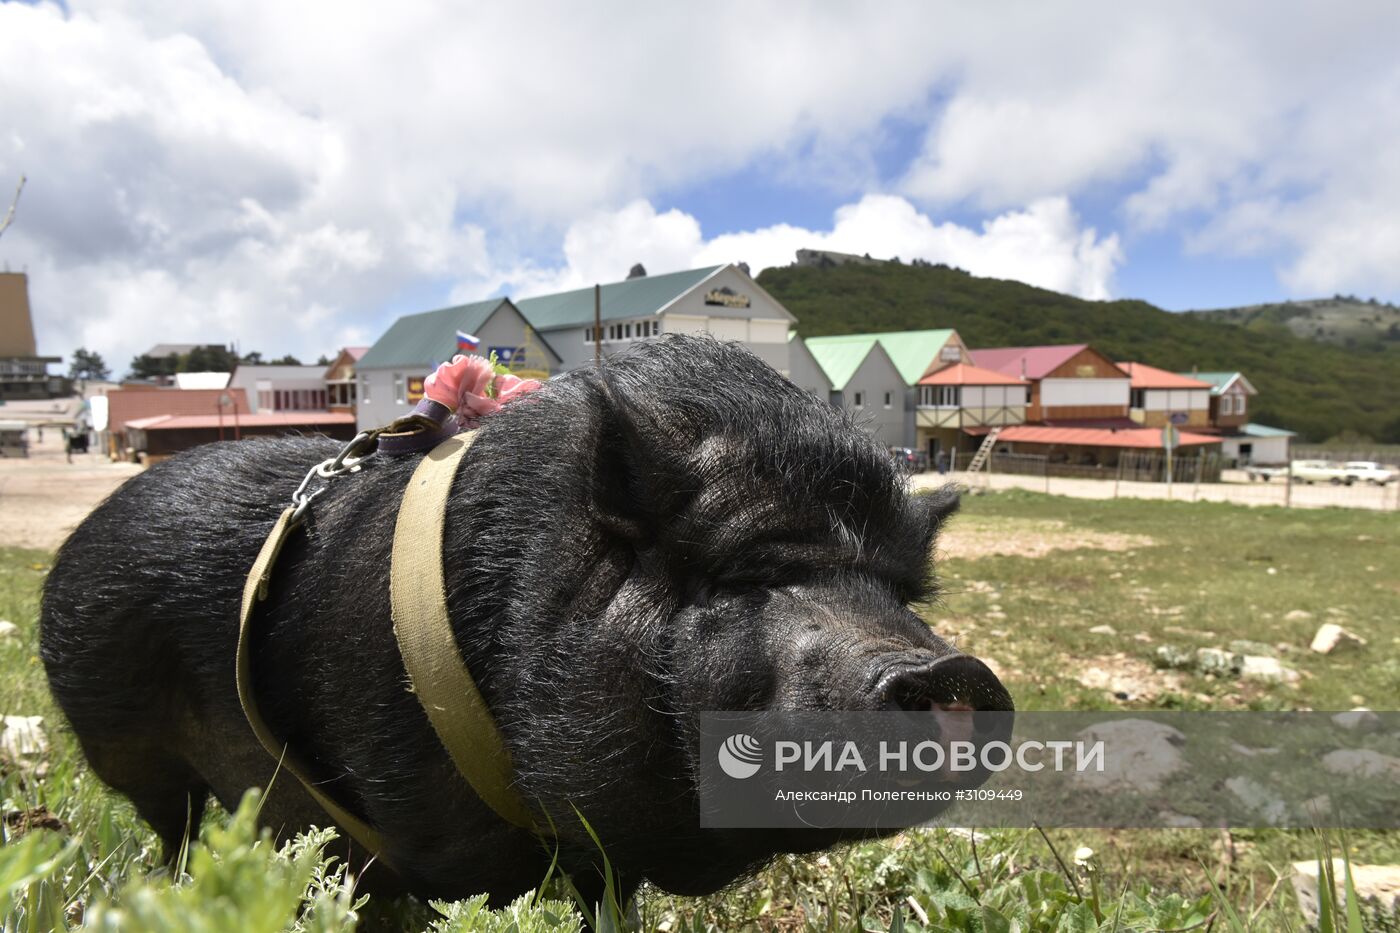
(468, 343)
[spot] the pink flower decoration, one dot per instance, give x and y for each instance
(470, 386)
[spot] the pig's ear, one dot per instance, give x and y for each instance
(942, 504)
(638, 472)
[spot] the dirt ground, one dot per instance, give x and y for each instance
(969, 538)
(43, 497)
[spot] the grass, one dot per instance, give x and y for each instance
(77, 854)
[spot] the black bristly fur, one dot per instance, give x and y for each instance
(685, 530)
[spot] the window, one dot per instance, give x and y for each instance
(627, 331)
(889, 399)
(1239, 404)
(1138, 397)
(398, 389)
(860, 399)
(364, 389)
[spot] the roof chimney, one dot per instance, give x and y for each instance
(639, 271)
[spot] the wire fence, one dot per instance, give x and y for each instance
(1193, 480)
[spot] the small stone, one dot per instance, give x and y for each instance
(1173, 820)
(1103, 630)
(1173, 658)
(1271, 571)
(1331, 636)
(1258, 799)
(23, 742)
(1381, 882)
(1215, 661)
(1335, 612)
(8, 629)
(1362, 762)
(1143, 637)
(1358, 720)
(996, 614)
(1298, 615)
(1268, 670)
(1144, 755)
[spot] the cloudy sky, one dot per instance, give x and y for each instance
(292, 176)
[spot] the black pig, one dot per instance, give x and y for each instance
(683, 531)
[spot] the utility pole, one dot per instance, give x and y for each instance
(597, 325)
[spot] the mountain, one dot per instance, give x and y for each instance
(1316, 389)
(1343, 320)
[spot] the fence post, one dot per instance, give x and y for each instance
(1118, 477)
(1200, 468)
(1288, 487)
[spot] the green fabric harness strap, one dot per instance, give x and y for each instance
(254, 592)
(418, 596)
(418, 599)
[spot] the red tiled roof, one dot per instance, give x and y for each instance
(965, 374)
(1143, 438)
(138, 404)
(1038, 361)
(274, 419)
(1150, 377)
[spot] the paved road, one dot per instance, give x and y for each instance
(1242, 493)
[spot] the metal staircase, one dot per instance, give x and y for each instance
(984, 452)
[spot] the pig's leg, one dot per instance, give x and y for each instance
(167, 793)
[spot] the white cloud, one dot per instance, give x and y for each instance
(1042, 245)
(294, 174)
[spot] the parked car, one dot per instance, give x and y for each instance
(1264, 474)
(1320, 471)
(911, 461)
(1368, 471)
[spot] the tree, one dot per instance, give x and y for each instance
(88, 365)
(147, 367)
(323, 360)
(252, 359)
(287, 360)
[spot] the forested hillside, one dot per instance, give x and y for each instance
(1316, 389)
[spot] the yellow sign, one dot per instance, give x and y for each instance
(415, 388)
(726, 297)
(1084, 372)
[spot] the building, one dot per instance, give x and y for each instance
(804, 370)
(159, 436)
(391, 372)
(1158, 397)
(1229, 397)
(278, 388)
(723, 301)
(24, 374)
(1128, 453)
(1073, 383)
(225, 406)
(866, 382)
(341, 381)
(1257, 445)
(958, 403)
(913, 353)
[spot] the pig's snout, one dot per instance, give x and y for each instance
(953, 682)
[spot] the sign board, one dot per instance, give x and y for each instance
(504, 355)
(1170, 437)
(726, 297)
(951, 353)
(415, 388)
(1179, 417)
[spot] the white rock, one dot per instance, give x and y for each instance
(1358, 720)
(1362, 762)
(23, 738)
(1258, 799)
(1331, 636)
(1381, 882)
(1139, 755)
(1103, 630)
(1173, 820)
(1298, 615)
(1269, 670)
(8, 629)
